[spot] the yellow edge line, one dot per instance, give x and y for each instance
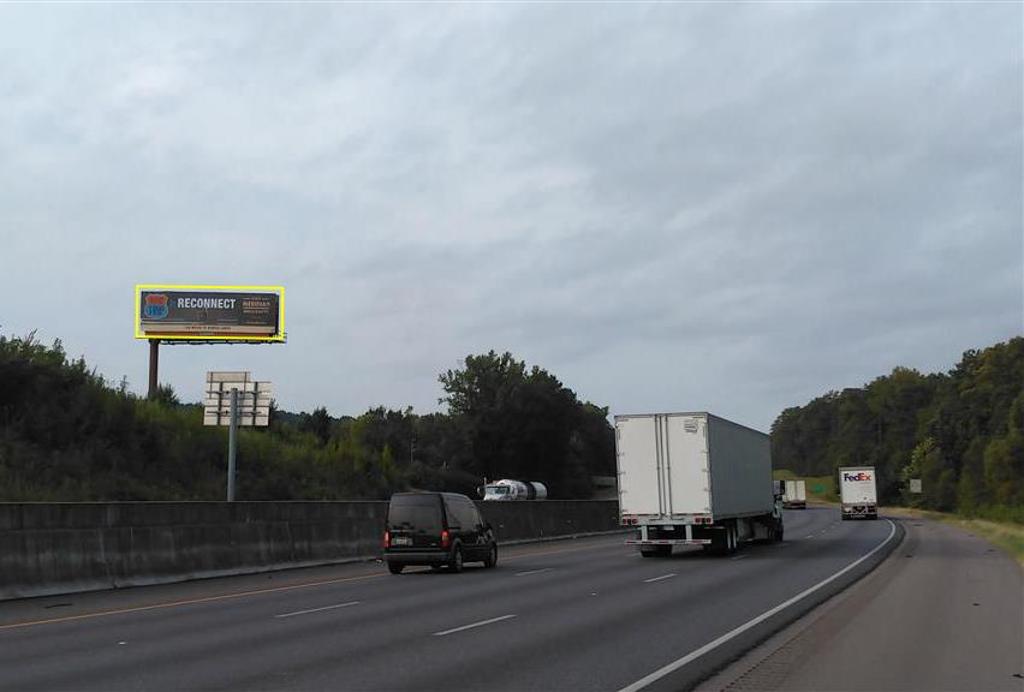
(191, 601)
(239, 594)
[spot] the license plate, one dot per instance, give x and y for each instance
(401, 540)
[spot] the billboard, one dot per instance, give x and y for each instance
(209, 313)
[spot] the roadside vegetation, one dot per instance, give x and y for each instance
(1007, 535)
(960, 432)
(69, 434)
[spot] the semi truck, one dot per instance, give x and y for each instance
(694, 479)
(858, 492)
(794, 496)
(507, 490)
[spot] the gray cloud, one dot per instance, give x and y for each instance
(680, 206)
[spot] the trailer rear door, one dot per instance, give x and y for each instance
(662, 463)
(639, 484)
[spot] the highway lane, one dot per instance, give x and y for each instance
(586, 614)
(944, 612)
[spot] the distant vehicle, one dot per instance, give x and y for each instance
(506, 490)
(795, 494)
(436, 529)
(858, 492)
(694, 479)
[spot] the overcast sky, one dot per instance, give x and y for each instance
(670, 207)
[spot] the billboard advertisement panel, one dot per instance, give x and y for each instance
(209, 313)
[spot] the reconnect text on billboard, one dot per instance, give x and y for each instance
(862, 476)
(219, 303)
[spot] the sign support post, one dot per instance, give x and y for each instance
(232, 444)
(235, 399)
(154, 360)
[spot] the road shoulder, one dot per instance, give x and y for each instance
(941, 612)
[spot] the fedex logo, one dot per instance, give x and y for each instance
(862, 476)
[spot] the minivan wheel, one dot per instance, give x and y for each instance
(456, 564)
(395, 568)
(492, 557)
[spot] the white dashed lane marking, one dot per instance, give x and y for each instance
(654, 579)
(471, 626)
(317, 610)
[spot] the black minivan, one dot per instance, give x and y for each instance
(436, 529)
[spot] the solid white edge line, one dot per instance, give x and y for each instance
(471, 626)
(664, 576)
(317, 610)
(712, 645)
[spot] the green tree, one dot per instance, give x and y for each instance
(524, 423)
(318, 423)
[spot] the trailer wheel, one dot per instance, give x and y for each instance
(732, 534)
(723, 542)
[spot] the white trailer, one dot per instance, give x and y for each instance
(795, 494)
(858, 492)
(694, 479)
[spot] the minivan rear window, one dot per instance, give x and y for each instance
(415, 512)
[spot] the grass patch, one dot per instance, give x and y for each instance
(1007, 535)
(819, 488)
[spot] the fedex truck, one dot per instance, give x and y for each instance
(858, 492)
(795, 494)
(694, 479)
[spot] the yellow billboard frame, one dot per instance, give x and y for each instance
(139, 334)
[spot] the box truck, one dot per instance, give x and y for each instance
(858, 493)
(694, 479)
(795, 494)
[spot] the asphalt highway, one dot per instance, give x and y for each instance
(588, 614)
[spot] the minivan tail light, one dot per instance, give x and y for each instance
(387, 539)
(446, 539)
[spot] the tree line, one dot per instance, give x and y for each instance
(68, 434)
(960, 432)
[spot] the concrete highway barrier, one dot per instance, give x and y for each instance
(53, 548)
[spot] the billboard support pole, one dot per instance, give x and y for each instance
(232, 444)
(154, 360)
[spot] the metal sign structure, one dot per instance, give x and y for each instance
(233, 399)
(253, 399)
